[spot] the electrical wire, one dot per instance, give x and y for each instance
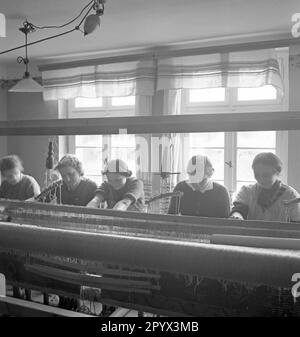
(65, 24)
(53, 36)
(38, 41)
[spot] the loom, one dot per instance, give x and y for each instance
(162, 264)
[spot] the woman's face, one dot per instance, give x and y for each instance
(116, 180)
(70, 177)
(198, 179)
(12, 176)
(265, 175)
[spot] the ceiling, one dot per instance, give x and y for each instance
(131, 24)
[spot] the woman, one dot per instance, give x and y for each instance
(15, 184)
(75, 189)
(121, 191)
(264, 199)
(201, 196)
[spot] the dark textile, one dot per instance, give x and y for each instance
(81, 196)
(26, 188)
(211, 203)
(133, 189)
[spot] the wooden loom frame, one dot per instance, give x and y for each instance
(223, 122)
(259, 121)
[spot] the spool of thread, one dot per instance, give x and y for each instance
(50, 157)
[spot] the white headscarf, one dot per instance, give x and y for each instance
(196, 170)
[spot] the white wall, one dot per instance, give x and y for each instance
(3, 111)
(32, 149)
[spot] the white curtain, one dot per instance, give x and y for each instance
(106, 80)
(171, 144)
(236, 69)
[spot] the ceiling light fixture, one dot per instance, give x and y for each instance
(91, 22)
(26, 84)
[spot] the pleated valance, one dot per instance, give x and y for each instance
(247, 69)
(115, 79)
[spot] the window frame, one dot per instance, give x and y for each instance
(230, 155)
(231, 103)
(106, 110)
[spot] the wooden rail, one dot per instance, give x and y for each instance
(258, 121)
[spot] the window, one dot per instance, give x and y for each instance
(232, 153)
(218, 100)
(123, 147)
(211, 145)
(101, 107)
(221, 100)
(93, 150)
(88, 149)
(249, 144)
(123, 101)
(267, 92)
(81, 102)
(207, 95)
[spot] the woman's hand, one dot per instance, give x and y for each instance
(94, 203)
(122, 205)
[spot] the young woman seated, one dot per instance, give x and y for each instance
(15, 184)
(201, 195)
(264, 199)
(121, 191)
(76, 189)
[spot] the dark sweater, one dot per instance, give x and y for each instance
(133, 189)
(81, 196)
(26, 188)
(213, 203)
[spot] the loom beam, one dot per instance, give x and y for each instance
(241, 264)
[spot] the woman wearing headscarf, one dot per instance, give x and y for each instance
(120, 191)
(264, 199)
(201, 195)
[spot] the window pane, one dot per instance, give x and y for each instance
(119, 101)
(254, 94)
(123, 141)
(91, 159)
(210, 139)
(216, 156)
(244, 163)
(260, 139)
(88, 140)
(207, 95)
(81, 102)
